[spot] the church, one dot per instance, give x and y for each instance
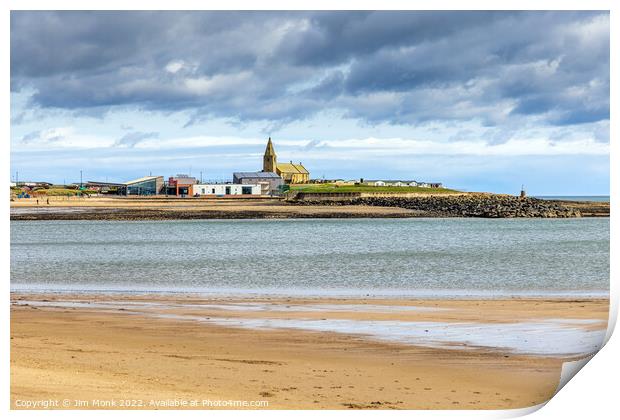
(291, 173)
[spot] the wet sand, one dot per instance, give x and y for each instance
(150, 348)
(170, 208)
(104, 208)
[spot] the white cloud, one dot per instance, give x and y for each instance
(352, 148)
(220, 83)
(59, 138)
(67, 138)
(174, 66)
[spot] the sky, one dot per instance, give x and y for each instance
(481, 101)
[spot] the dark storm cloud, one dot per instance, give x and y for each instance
(397, 67)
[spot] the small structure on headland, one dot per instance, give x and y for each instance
(522, 194)
(400, 183)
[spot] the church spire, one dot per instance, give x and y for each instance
(269, 159)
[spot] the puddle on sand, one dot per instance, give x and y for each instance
(545, 337)
(541, 337)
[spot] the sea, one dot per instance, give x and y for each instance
(597, 198)
(443, 258)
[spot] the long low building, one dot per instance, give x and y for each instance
(148, 185)
(222, 190)
(270, 182)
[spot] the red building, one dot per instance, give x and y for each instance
(181, 185)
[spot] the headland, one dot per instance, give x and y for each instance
(301, 205)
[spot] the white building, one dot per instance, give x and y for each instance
(219, 190)
(379, 184)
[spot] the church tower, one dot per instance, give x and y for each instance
(269, 159)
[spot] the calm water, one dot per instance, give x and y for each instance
(423, 257)
(599, 198)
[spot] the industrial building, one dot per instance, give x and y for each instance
(182, 185)
(270, 182)
(274, 174)
(222, 190)
(117, 188)
(148, 185)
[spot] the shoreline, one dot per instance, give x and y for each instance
(105, 208)
(209, 211)
(298, 352)
(430, 294)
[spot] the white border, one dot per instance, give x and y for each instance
(592, 394)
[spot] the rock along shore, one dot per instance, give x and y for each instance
(343, 206)
(461, 205)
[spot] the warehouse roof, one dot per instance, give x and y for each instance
(255, 175)
(103, 184)
(143, 179)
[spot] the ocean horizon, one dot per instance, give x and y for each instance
(597, 198)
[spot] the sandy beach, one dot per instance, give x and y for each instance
(149, 351)
(104, 208)
(171, 208)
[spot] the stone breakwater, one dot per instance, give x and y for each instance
(478, 205)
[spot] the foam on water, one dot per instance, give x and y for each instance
(429, 294)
